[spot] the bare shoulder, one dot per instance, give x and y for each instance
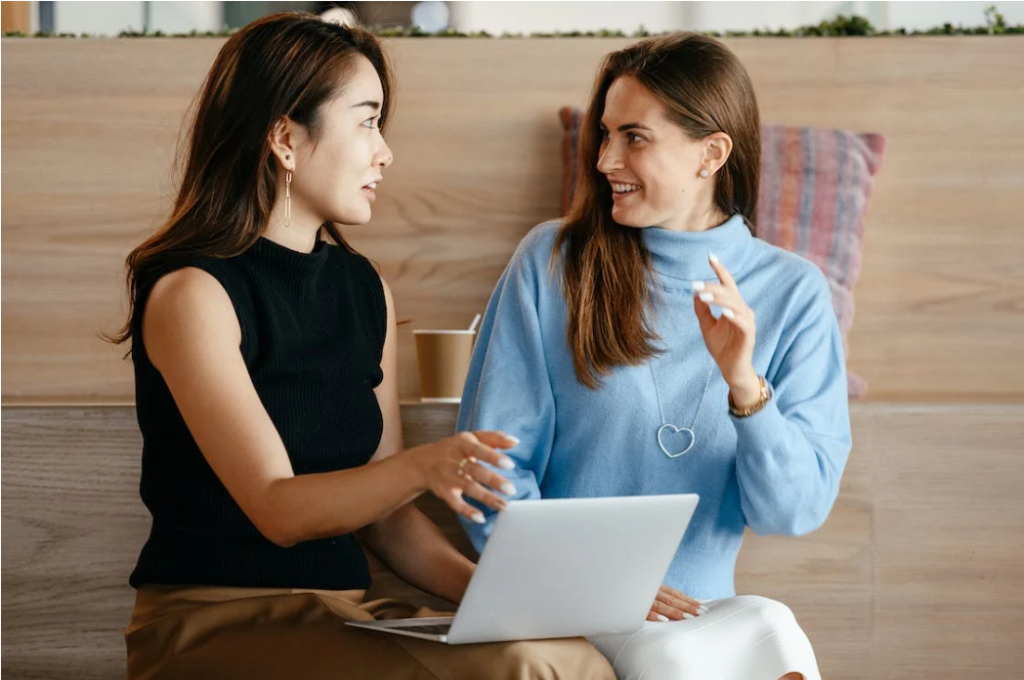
(188, 306)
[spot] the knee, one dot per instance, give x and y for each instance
(771, 614)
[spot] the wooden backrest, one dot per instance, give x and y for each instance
(89, 129)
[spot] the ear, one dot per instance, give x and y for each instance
(717, 147)
(283, 137)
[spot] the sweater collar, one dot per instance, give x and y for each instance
(682, 256)
(292, 260)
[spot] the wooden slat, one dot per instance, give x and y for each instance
(917, 573)
(949, 559)
(478, 163)
(72, 521)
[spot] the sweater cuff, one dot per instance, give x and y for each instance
(762, 427)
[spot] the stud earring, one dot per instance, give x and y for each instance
(704, 173)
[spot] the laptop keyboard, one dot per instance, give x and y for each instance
(430, 628)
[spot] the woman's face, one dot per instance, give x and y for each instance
(335, 177)
(653, 167)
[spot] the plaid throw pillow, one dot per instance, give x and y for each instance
(815, 189)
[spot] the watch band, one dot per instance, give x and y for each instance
(766, 396)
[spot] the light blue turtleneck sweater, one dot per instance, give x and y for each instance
(776, 471)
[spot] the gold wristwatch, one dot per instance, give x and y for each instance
(766, 396)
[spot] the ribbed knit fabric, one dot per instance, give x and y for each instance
(313, 328)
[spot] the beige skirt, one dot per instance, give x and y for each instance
(213, 632)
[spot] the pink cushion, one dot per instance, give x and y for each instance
(815, 189)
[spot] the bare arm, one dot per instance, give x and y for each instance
(192, 337)
(406, 541)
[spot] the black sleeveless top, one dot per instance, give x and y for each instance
(313, 328)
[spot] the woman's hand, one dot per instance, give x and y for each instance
(451, 469)
(672, 605)
(729, 338)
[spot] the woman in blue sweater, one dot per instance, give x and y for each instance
(621, 345)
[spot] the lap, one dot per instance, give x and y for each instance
(304, 635)
(746, 637)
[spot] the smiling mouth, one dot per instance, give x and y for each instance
(621, 189)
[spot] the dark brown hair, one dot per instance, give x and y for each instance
(281, 66)
(606, 267)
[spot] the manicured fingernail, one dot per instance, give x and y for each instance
(662, 618)
(707, 297)
(508, 489)
(479, 518)
(702, 610)
(506, 464)
(712, 257)
(513, 439)
(728, 313)
(697, 285)
(688, 615)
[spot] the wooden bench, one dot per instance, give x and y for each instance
(920, 548)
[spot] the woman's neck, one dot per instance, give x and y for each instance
(300, 233)
(698, 218)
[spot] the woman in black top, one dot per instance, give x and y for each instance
(265, 365)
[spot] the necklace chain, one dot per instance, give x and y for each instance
(666, 425)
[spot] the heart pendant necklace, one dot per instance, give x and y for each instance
(668, 430)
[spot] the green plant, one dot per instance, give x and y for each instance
(840, 27)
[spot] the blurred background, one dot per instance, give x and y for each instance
(111, 18)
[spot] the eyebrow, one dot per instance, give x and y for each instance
(629, 126)
(372, 104)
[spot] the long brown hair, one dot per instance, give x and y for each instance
(606, 267)
(281, 66)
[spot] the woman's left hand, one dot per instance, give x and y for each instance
(672, 605)
(729, 338)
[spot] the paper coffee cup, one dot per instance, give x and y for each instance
(443, 357)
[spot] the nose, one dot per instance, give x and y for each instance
(384, 156)
(609, 159)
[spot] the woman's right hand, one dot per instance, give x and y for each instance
(451, 469)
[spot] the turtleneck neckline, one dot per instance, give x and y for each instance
(682, 256)
(293, 259)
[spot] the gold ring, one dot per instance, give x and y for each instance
(462, 466)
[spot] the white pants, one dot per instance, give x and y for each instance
(741, 638)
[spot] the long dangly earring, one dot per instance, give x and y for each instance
(288, 200)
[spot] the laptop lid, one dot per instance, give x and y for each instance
(567, 567)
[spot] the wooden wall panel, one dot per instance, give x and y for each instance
(917, 573)
(89, 130)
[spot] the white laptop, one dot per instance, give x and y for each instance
(561, 568)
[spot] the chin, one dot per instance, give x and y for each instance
(354, 217)
(628, 218)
